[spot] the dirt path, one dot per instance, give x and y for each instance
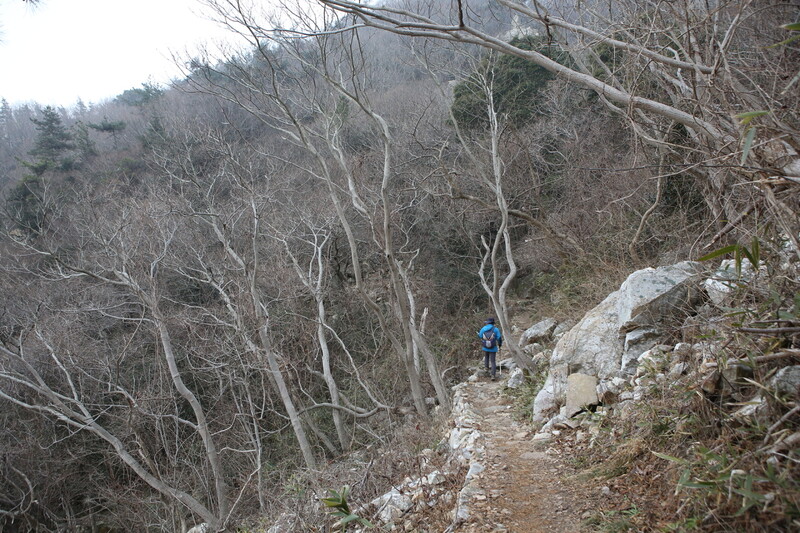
(526, 485)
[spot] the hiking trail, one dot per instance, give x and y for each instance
(526, 486)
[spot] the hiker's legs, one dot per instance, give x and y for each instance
(493, 360)
(486, 360)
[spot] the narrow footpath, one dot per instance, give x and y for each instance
(525, 487)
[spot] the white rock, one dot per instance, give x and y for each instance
(786, 383)
(725, 280)
(678, 370)
(682, 350)
(516, 379)
(545, 400)
(581, 393)
(435, 478)
(474, 470)
(542, 330)
(637, 342)
(563, 328)
(750, 410)
(646, 299)
(507, 363)
(554, 422)
(392, 505)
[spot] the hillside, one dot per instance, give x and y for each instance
(221, 299)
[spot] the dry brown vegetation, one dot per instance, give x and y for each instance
(281, 260)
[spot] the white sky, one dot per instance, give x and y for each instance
(62, 50)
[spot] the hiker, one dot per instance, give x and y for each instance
(491, 341)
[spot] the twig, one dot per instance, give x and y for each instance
(774, 356)
(770, 331)
(778, 424)
(728, 227)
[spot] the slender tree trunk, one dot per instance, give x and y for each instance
(220, 487)
(333, 389)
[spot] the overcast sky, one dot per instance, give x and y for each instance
(62, 50)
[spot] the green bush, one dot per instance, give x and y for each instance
(515, 83)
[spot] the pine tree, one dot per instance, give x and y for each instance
(113, 128)
(84, 144)
(52, 143)
(6, 118)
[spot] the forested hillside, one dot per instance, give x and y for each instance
(212, 292)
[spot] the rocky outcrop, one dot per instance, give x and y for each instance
(609, 339)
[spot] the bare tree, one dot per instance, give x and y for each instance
(703, 77)
(292, 90)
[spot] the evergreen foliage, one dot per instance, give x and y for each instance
(111, 127)
(515, 84)
(53, 140)
(140, 96)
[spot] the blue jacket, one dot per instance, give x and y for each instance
(498, 336)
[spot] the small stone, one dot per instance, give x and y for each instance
(682, 349)
(678, 370)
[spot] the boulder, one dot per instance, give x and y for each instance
(649, 296)
(645, 304)
(581, 393)
(541, 331)
(200, 528)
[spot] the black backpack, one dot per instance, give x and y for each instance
(489, 339)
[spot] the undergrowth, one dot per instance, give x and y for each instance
(523, 396)
(716, 448)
